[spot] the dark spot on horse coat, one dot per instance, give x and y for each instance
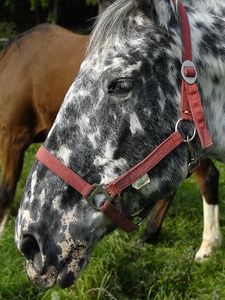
(215, 80)
(211, 43)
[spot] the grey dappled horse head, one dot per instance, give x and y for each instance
(123, 104)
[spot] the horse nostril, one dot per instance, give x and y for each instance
(30, 249)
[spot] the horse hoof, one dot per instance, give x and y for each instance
(200, 257)
(207, 248)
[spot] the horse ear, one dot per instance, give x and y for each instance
(161, 10)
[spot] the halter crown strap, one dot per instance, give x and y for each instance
(191, 106)
(185, 32)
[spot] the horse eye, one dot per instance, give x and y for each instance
(120, 86)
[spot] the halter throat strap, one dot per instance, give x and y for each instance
(190, 110)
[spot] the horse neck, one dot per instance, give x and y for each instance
(164, 10)
(216, 5)
(207, 23)
(209, 57)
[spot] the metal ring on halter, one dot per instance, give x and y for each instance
(188, 139)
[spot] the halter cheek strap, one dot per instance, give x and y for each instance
(190, 110)
(191, 106)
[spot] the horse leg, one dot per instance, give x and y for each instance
(153, 228)
(207, 177)
(11, 161)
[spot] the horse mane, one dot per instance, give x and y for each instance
(208, 3)
(19, 37)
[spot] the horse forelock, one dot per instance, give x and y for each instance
(111, 21)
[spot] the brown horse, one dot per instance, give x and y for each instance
(36, 70)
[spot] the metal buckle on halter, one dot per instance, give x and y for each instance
(98, 190)
(193, 159)
(191, 79)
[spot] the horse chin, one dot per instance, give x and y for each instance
(68, 275)
(71, 272)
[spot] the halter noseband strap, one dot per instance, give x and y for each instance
(191, 110)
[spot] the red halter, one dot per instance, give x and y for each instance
(191, 110)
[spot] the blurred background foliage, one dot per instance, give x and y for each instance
(18, 16)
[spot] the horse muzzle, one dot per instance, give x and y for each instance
(62, 269)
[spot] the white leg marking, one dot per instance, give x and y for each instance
(2, 225)
(211, 232)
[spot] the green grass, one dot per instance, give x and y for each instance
(123, 269)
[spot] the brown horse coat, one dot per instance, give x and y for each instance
(36, 71)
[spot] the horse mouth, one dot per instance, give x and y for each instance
(46, 280)
(64, 276)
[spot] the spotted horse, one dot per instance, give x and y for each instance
(128, 132)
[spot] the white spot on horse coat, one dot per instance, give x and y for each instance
(83, 123)
(27, 218)
(64, 154)
(42, 197)
(33, 184)
(56, 203)
(109, 164)
(93, 138)
(135, 124)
